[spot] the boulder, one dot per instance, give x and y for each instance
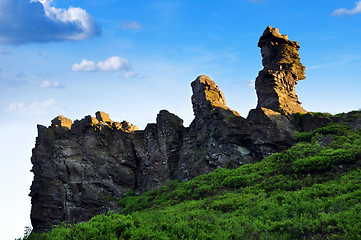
(81, 125)
(60, 127)
(102, 117)
(61, 121)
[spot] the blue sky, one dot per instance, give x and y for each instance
(134, 58)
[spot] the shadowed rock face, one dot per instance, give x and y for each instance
(275, 84)
(81, 167)
(216, 136)
(76, 169)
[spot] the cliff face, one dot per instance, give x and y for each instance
(80, 168)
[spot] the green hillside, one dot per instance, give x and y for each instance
(310, 191)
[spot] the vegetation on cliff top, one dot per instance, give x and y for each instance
(310, 191)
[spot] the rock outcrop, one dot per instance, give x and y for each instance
(271, 131)
(77, 170)
(80, 168)
(273, 121)
(275, 84)
(216, 136)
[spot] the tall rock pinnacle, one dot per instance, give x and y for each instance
(275, 84)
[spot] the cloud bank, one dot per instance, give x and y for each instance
(24, 21)
(344, 11)
(111, 64)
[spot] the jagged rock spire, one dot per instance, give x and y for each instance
(207, 96)
(275, 84)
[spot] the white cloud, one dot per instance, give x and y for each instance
(113, 63)
(73, 15)
(50, 84)
(344, 11)
(33, 108)
(131, 25)
(84, 65)
(24, 21)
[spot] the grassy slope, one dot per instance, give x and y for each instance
(311, 191)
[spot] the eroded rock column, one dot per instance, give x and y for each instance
(275, 84)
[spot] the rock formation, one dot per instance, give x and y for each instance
(275, 84)
(271, 131)
(206, 97)
(76, 168)
(216, 136)
(273, 121)
(80, 168)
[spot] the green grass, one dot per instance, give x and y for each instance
(310, 191)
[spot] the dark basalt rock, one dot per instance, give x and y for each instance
(81, 168)
(271, 131)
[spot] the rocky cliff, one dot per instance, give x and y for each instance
(81, 167)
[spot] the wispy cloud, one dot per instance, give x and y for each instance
(246, 83)
(344, 11)
(131, 25)
(111, 64)
(167, 8)
(13, 79)
(342, 60)
(38, 21)
(251, 84)
(51, 84)
(32, 108)
(129, 74)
